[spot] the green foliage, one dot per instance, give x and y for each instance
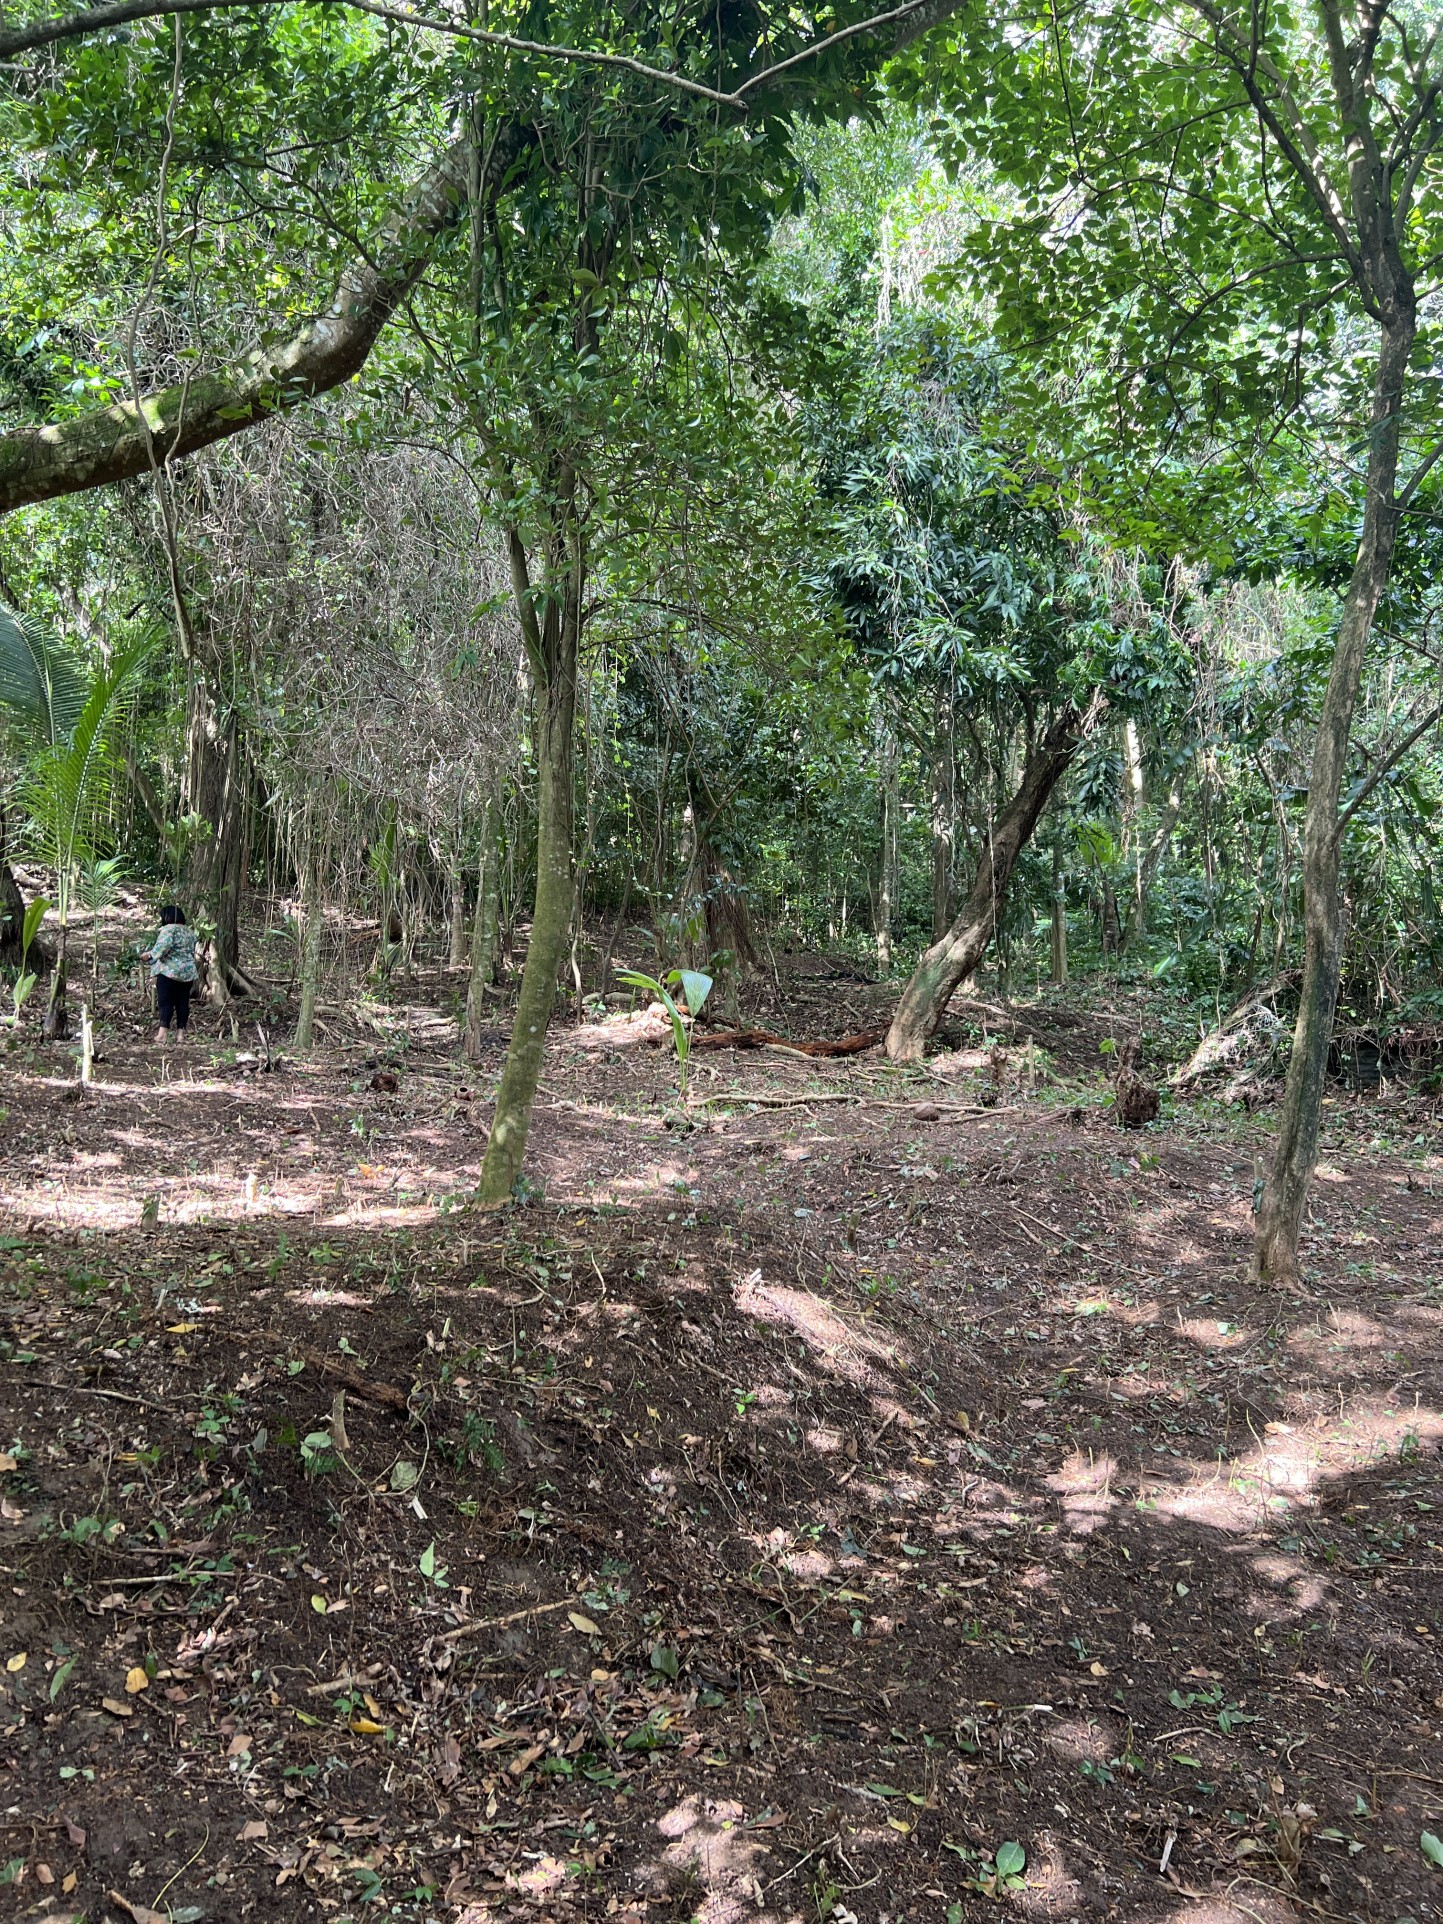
(695, 988)
(43, 687)
(68, 783)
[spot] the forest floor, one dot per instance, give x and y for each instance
(811, 1506)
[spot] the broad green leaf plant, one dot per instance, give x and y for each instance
(695, 988)
(24, 983)
(65, 715)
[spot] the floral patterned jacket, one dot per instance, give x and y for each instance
(173, 953)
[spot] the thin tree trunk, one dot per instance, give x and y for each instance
(1147, 867)
(456, 920)
(944, 811)
(888, 868)
(483, 936)
(950, 961)
(554, 644)
(1111, 927)
(1059, 916)
(1285, 1193)
(217, 789)
(311, 925)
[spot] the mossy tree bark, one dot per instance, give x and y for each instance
(952, 959)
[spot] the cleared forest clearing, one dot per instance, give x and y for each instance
(821, 1508)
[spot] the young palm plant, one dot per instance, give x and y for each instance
(64, 714)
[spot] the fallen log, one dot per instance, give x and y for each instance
(847, 1045)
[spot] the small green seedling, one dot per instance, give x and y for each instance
(25, 982)
(695, 988)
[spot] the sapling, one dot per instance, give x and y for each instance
(25, 982)
(695, 988)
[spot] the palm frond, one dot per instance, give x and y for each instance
(69, 784)
(41, 683)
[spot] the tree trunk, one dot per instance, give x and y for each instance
(55, 1026)
(944, 812)
(1285, 1194)
(888, 867)
(12, 917)
(1111, 926)
(1147, 866)
(950, 961)
(554, 646)
(217, 789)
(456, 953)
(312, 915)
(483, 937)
(1059, 916)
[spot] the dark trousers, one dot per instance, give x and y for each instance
(172, 998)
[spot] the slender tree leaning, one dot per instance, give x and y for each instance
(1264, 249)
(1369, 220)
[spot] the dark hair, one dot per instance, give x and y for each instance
(170, 913)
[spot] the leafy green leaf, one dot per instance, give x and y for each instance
(1011, 1860)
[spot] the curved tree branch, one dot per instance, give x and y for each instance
(917, 14)
(111, 444)
(68, 457)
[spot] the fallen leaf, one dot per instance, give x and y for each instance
(116, 1708)
(541, 1878)
(366, 1727)
(74, 1833)
(1097, 1669)
(17, 1662)
(1431, 1848)
(8, 1462)
(181, 1329)
(239, 1744)
(251, 1832)
(69, 1881)
(319, 1605)
(583, 1624)
(136, 1680)
(142, 1913)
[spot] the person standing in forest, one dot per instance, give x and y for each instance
(173, 971)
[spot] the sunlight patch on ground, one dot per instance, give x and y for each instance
(1051, 1890)
(1216, 1332)
(850, 1352)
(1285, 1468)
(1084, 1740)
(707, 1844)
(1084, 1487)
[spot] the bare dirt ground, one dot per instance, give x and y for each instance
(812, 1507)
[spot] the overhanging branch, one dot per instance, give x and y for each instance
(68, 457)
